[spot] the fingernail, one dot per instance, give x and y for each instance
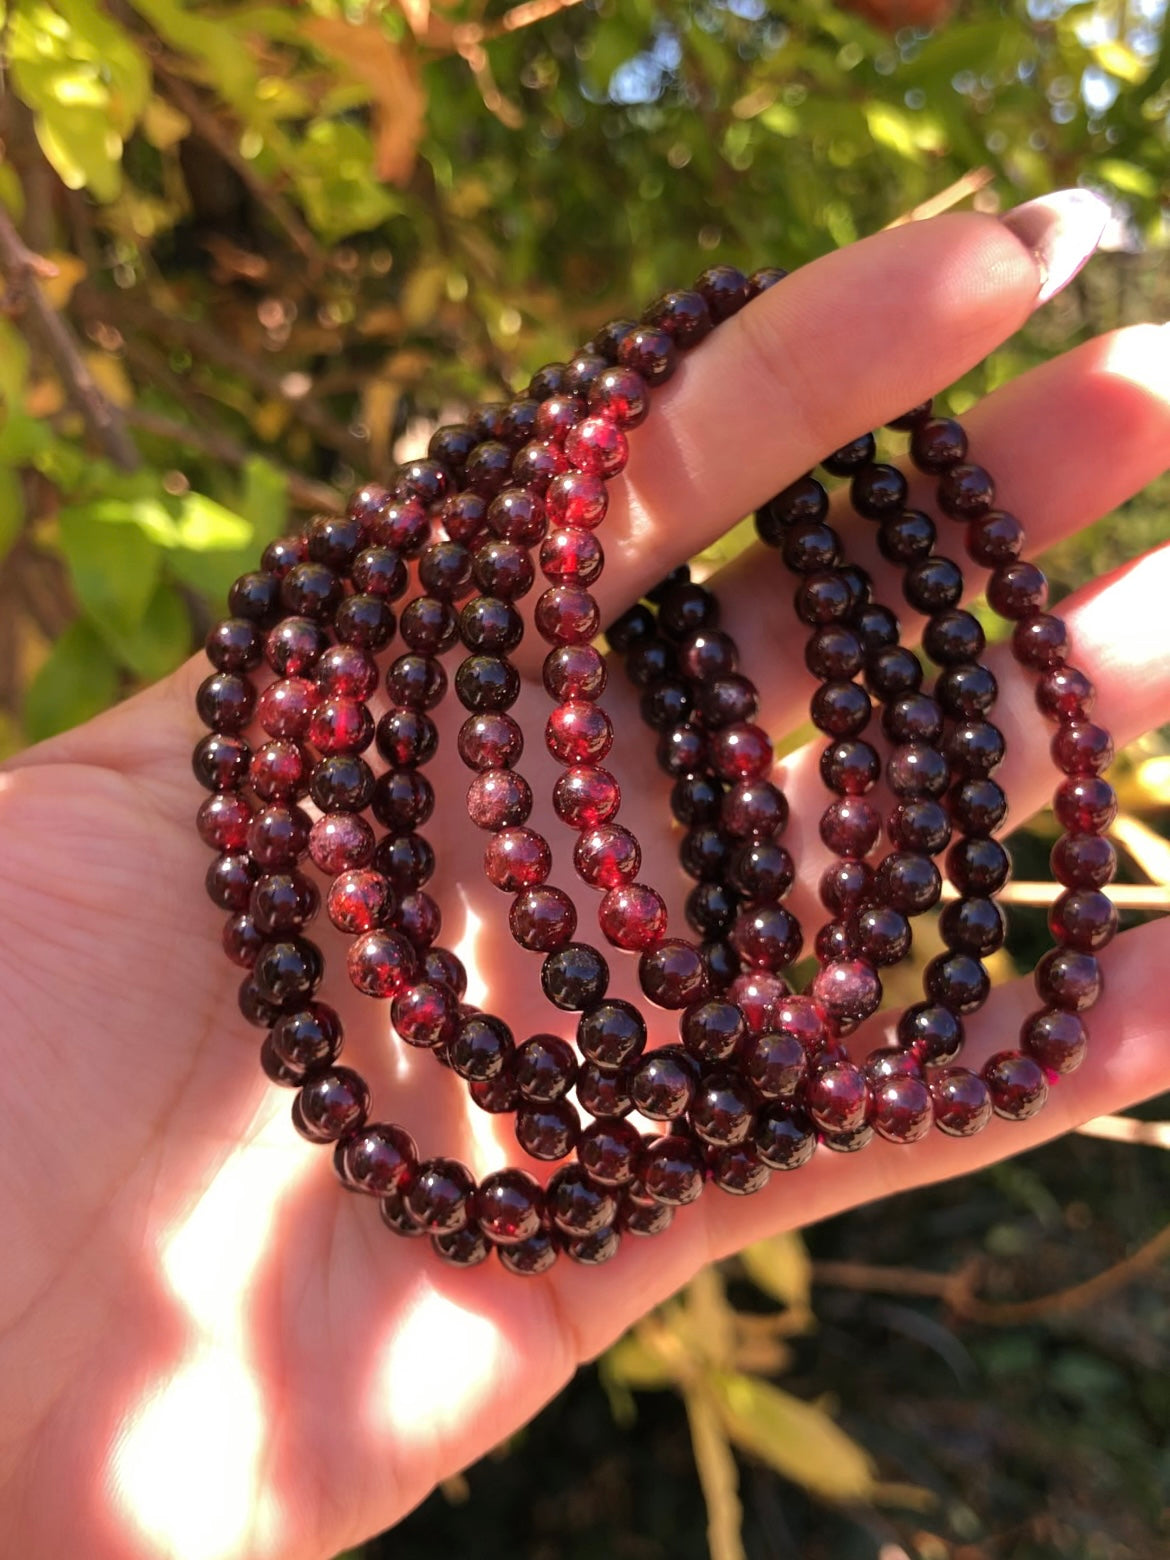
(1061, 231)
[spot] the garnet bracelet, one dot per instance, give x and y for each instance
(760, 1076)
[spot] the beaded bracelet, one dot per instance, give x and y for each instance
(761, 1074)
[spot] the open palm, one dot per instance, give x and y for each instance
(206, 1349)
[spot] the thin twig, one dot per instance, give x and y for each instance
(24, 270)
(962, 189)
(1126, 896)
(1128, 1129)
(302, 491)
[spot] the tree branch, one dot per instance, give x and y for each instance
(23, 269)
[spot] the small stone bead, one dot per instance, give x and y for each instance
(1017, 1085)
(882, 935)
(542, 919)
(633, 917)
(375, 1158)
(978, 866)
(439, 1195)
(891, 1062)
(530, 1257)
(360, 901)
(487, 682)
(419, 919)
(567, 615)
(258, 1008)
(759, 995)
(406, 738)
(547, 1131)
(1068, 979)
(995, 539)
(381, 572)
(1085, 804)
(1055, 1039)
(738, 1169)
(574, 977)
(1082, 748)
(651, 352)
(285, 708)
(308, 1038)
(962, 1102)
(673, 975)
(229, 880)
(340, 842)
(847, 990)
(283, 902)
(243, 940)
(220, 762)
(426, 1014)
(978, 806)
(429, 626)
(671, 1169)
(380, 963)
(577, 1204)
(1017, 590)
(279, 771)
(975, 926)
(223, 821)
(402, 800)
(574, 672)
(933, 585)
(508, 1206)
(609, 1152)
(956, 981)
(234, 645)
(762, 869)
(394, 1215)
(919, 826)
(937, 443)
(225, 701)
(406, 861)
(578, 733)
(784, 1137)
(724, 289)
(465, 1248)
(597, 446)
(544, 1068)
(1040, 641)
(585, 796)
(901, 1109)
(603, 1094)
(607, 856)
(576, 499)
(663, 1083)
(933, 1033)
(417, 681)
(1066, 694)
(611, 1034)
(331, 1104)
(966, 491)
(1084, 919)
(481, 1048)
(516, 859)
(491, 739)
(722, 1111)
(837, 1097)
(644, 1218)
(766, 937)
(499, 799)
(907, 537)
(1083, 861)
(774, 1064)
(754, 809)
(278, 836)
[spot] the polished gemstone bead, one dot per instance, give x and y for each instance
(724, 700)
(380, 962)
(809, 546)
(901, 1109)
(222, 821)
(330, 1105)
(419, 919)
(978, 806)
(443, 967)
(837, 1097)
(724, 289)
(1083, 861)
(380, 572)
(651, 352)
(556, 414)
(684, 316)
(609, 1151)
(417, 681)
(672, 975)
(1085, 804)
(705, 853)
(636, 1217)
(544, 1068)
(516, 859)
(518, 516)
(395, 1216)
(937, 444)
(499, 799)
(225, 701)
(766, 937)
(956, 981)
(962, 1101)
(933, 585)
(850, 768)
(487, 682)
(576, 499)
(481, 1048)
(602, 1093)
(406, 861)
(530, 1257)
(429, 626)
(1084, 919)
(542, 919)
(278, 836)
(784, 1137)
(671, 1169)
(722, 1109)
(633, 917)
(578, 733)
(920, 826)
(607, 856)
(841, 709)
(341, 842)
(488, 468)
(491, 739)
(586, 795)
(597, 446)
(891, 1062)
(220, 762)
(345, 672)
(847, 990)
(1063, 693)
(848, 1142)
(975, 926)
(282, 552)
(932, 1032)
(1068, 979)
(738, 1169)
(403, 527)
(741, 752)
(824, 598)
(311, 590)
(753, 809)
(574, 977)
(907, 537)
(256, 597)
(878, 490)
(285, 708)
(1055, 1039)
(649, 660)
(452, 444)
(375, 1158)
(283, 902)
(611, 1034)
(426, 1014)
(835, 941)
(547, 1130)
(761, 870)
(662, 1084)
(464, 1248)
(257, 1007)
(978, 866)
(508, 1206)
(243, 940)
(229, 880)
(666, 703)
(696, 799)
(585, 368)
(574, 672)
(402, 800)
(406, 738)
(1082, 748)
(758, 994)
(1040, 641)
(1017, 1084)
(706, 654)
(577, 1204)
(882, 935)
(360, 901)
(234, 645)
(851, 826)
(279, 771)
(439, 1195)
(308, 1038)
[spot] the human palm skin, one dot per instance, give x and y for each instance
(207, 1350)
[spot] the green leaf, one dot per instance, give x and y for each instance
(205, 526)
(798, 1439)
(781, 1267)
(79, 679)
(114, 564)
(162, 639)
(335, 176)
(11, 508)
(1127, 176)
(264, 500)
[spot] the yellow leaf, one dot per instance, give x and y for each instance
(780, 1266)
(1149, 850)
(798, 1439)
(110, 376)
(1120, 61)
(163, 124)
(70, 270)
(391, 73)
(635, 1362)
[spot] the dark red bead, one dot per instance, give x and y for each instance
(234, 645)
(1083, 861)
(586, 795)
(1064, 693)
(937, 443)
(901, 1109)
(633, 916)
(229, 880)
(481, 1048)
(603, 1093)
(517, 858)
(1084, 919)
(498, 799)
(544, 1068)
(574, 672)
(395, 1216)
(256, 597)
(962, 1101)
(491, 739)
(308, 1038)
(426, 1014)
(724, 289)
(417, 681)
(1085, 804)
(508, 1206)
(620, 394)
(375, 1158)
(671, 1169)
(225, 700)
(933, 1033)
(467, 1247)
(331, 1104)
(578, 732)
(597, 446)
(722, 1110)
(487, 682)
(784, 1137)
(663, 1083)
(673, 975)
(1017, 590)
(381, 572)
(279, 771)
(285, 708)
(223, 821)
(574, 977)
(360, 901)
(609, 1152)
(341, 842)
(847, 990)
(542, 919)
(220, 762)
(439, 1194)
(577, 1204)
(1068, 979)
(530, 1257)
(406, 861)
(547, 1130)
(243, 940)
(380, 963)
(576, 499)
(1017, 1084)
(837, 1096)
(283, 902)
(1055, 1039)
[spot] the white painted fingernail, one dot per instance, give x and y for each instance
(1061, 231)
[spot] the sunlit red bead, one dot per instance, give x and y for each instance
(901, 1109)
(571, 555)
(380, 963)
(962, 1101)
(577, 1204)
(438, 1194)
(758, 994)
(574, 672)
(498, 799)
(1055, 1039)
(578, 733)
(633, 916)
(547, 1130)
(278, 835)
(256, 596)
(1068, 979)
(673, 975)
(234, 645)
(508, 1206)
(672, 1169)
(516, 859)
(556, 414)
(597, 446)
(426, 1014)
(375, 1158)
(753, 809)
(847, 990)
(308, 1037)
(419, 919)
(220, 761)
(331, 1104)
(766, 937)
(567, 615)
(576, 498)
(223, 821)
(542, 918)
(1017, 1084)
(286, 707)
(243, 940)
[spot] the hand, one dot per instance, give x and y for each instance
(207, 1350)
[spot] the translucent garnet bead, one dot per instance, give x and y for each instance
(633, 917)
(438, 1195)
(508, 1207)
(374, 1158)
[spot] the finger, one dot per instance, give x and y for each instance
(1117, 632)
(1066, 443)
(842, 345)
(1127, 1061)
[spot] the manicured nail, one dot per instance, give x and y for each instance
(1061, 230)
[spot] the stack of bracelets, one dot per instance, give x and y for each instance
(760, 1075)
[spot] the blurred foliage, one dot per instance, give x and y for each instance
(253, 252)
